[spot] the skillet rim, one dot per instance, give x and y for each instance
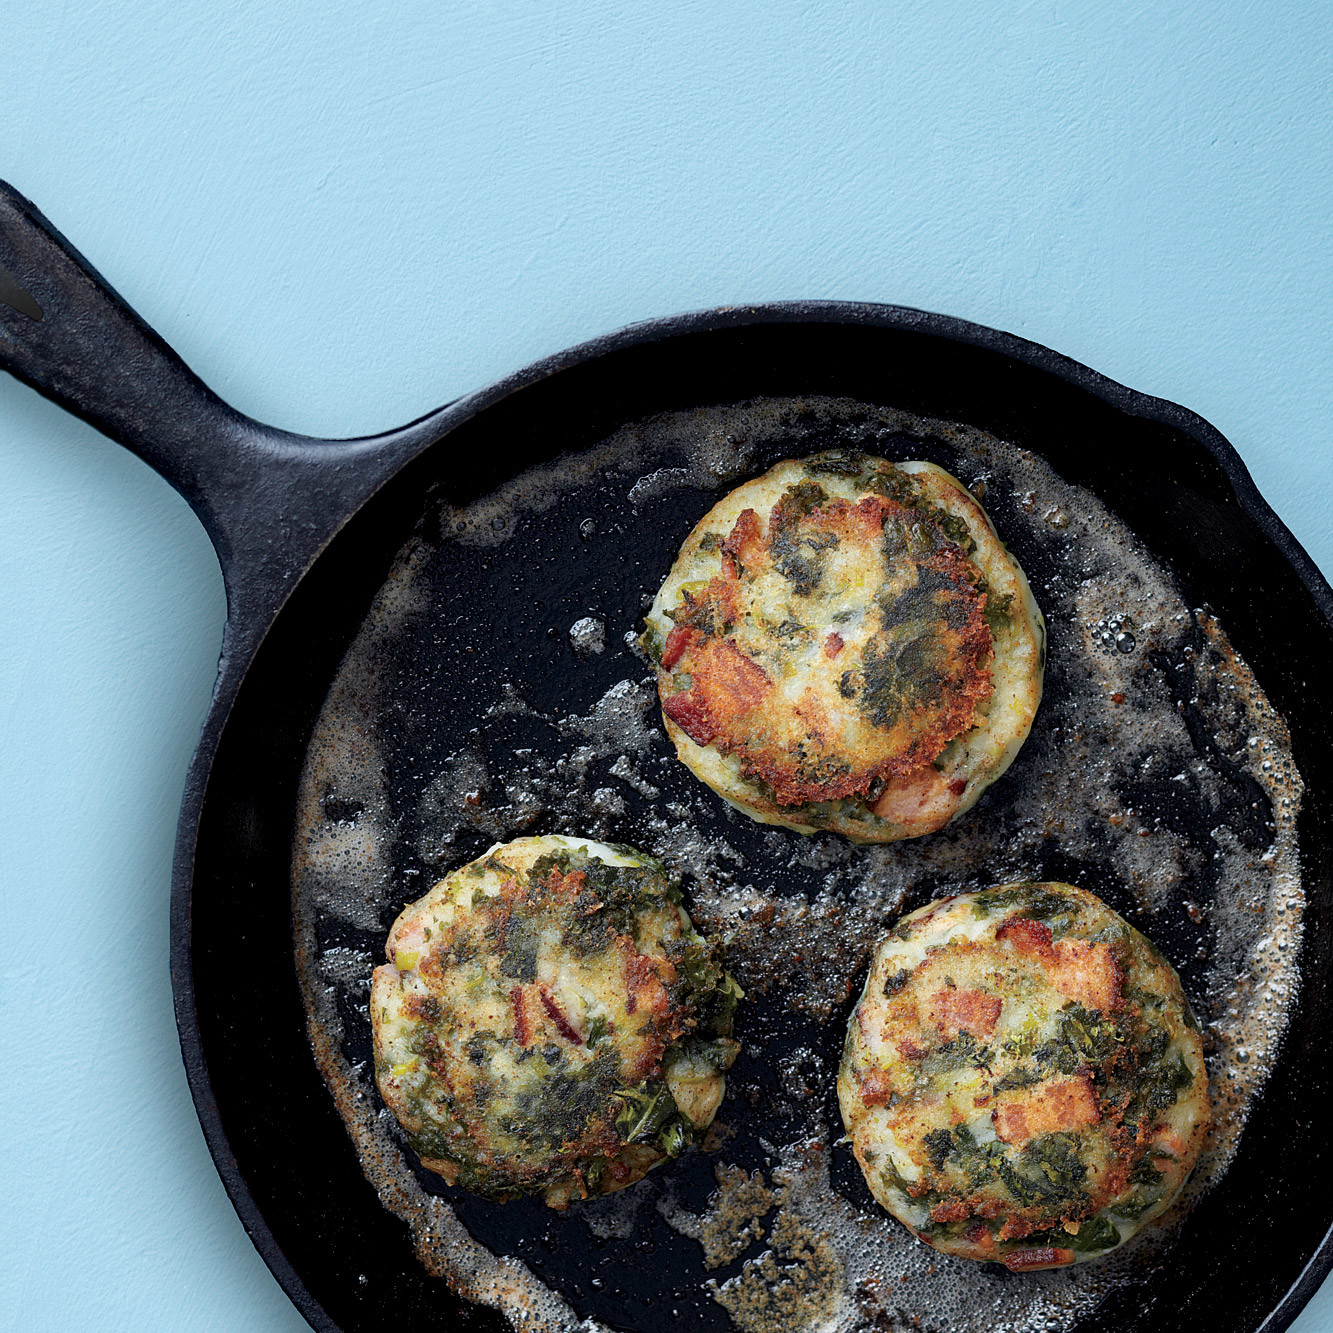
(431, 430)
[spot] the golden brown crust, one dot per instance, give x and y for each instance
(952, 1011)
(1059, 1103)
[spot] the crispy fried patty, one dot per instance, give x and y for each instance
(1023, 1078)
(550, 1022)
(844, 643)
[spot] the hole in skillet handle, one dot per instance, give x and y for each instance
(15, 297)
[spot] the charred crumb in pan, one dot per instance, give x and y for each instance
(795, 1284)
(735, 1216)
(1144, 765)
(1023, 1080)
(844, 643)
(550, 1022)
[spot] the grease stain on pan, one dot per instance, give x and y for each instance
(1157, 775)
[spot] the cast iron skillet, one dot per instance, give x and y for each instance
(305, 531)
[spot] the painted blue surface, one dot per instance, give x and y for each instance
(343, 214)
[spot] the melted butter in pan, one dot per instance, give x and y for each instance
(1157, 775)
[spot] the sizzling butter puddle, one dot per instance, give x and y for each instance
(1157, 775)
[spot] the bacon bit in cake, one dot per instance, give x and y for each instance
(677, 641)
(562, 1025)
(1087, 973)
(727, 686)
(979, 1234)
(920, 798)
(1028, 937)
(728, 679)
(1044, 1256)
(690, 715)
(1080, 971)
(522, 1026)
(833, 645)
(950, 1212)
(744, 545)
(954, 1011)
(1057, 1104)
(876, 1087)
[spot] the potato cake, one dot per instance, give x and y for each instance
(549, 1021)
(1023, 1079)
(844, 643)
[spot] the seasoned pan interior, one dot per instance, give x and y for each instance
(588, 544)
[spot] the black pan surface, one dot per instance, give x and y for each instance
(306, 532)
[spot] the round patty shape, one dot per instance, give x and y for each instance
(550, 1022)
(844, 643)
(1023, 1079)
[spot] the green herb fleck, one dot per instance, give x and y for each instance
(652, 644)
(956, 1054)
(1035, 902)
(999, 607)
(897, 981)
(1052, 1173)
(938, 1144)
(644, 1112)
(1096, 1233)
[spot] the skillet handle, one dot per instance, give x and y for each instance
(269, 499)
(67, 334)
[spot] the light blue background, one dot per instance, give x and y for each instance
(345, 214)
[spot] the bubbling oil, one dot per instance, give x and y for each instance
(1157, 775)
